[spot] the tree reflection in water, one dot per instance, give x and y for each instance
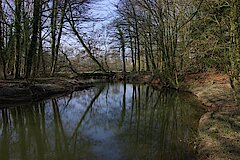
(112, 121)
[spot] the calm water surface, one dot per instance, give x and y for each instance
(111, 121)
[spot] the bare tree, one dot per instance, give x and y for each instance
(2, 57)
(18, 5)
(71, 20)
(121, 38)
(33, 45)
(55, 47)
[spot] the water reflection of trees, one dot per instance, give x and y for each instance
(161, 125)
(150, 124)
(25, 132)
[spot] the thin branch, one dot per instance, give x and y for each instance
(191, 17)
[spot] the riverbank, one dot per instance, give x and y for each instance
(18, 91)
(219, 127)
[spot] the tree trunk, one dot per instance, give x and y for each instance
(137, 36)
(146, 58)
(72, 24)
(238, 23)
(33, 45)
(40, 48)
(131, 47)
(151, 46)
(122, 41)
(59, 38)
(53, 32)
(18, 4)
(234, 50)
(2, 58)
(26, 34)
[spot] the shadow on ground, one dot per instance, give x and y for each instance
(219, 133)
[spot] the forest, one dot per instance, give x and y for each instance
(189, 45)
(171, 38)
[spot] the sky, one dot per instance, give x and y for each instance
(104, 9)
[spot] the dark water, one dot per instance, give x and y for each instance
(112, 121)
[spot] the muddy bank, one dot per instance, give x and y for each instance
(13, 91)
(17, 91)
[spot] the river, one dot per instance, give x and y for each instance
(109, 122)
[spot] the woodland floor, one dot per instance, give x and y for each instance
(219, 128)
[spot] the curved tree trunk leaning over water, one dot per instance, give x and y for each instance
(89, 52)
